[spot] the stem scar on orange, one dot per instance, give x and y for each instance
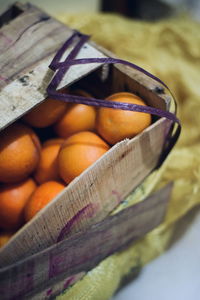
(78, 117)
(115, 125)
(41, 197)
(79, 152)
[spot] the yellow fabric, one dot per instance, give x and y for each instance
(170, 50)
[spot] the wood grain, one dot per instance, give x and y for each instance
(84, 250)
(27, 46)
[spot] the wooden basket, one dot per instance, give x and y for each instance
(28, 41)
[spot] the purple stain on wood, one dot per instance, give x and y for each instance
(54, 261)
(118, 196)
(2, 78)
(69, 281)
(41, 19)
(87, 211)
(72, 279)
(5, 38)
(49, 292)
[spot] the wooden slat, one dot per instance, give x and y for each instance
(27, 39)
(84, 250)
(28, 45)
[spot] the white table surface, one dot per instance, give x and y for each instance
(175, 275)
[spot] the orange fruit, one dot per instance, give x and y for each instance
(79, 152)
(115, 125)
(53, 141)
(35, 138)
(47, 168)
(46, 113)
(13, 198)
(41, 197)
(78, 117)
(4, 237)
(19, 153)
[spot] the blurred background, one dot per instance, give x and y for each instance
(145, 9)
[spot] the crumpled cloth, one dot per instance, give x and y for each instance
(170, 49)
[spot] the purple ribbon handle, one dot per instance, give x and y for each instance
(63, 67)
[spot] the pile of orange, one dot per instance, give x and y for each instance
(34, 171)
